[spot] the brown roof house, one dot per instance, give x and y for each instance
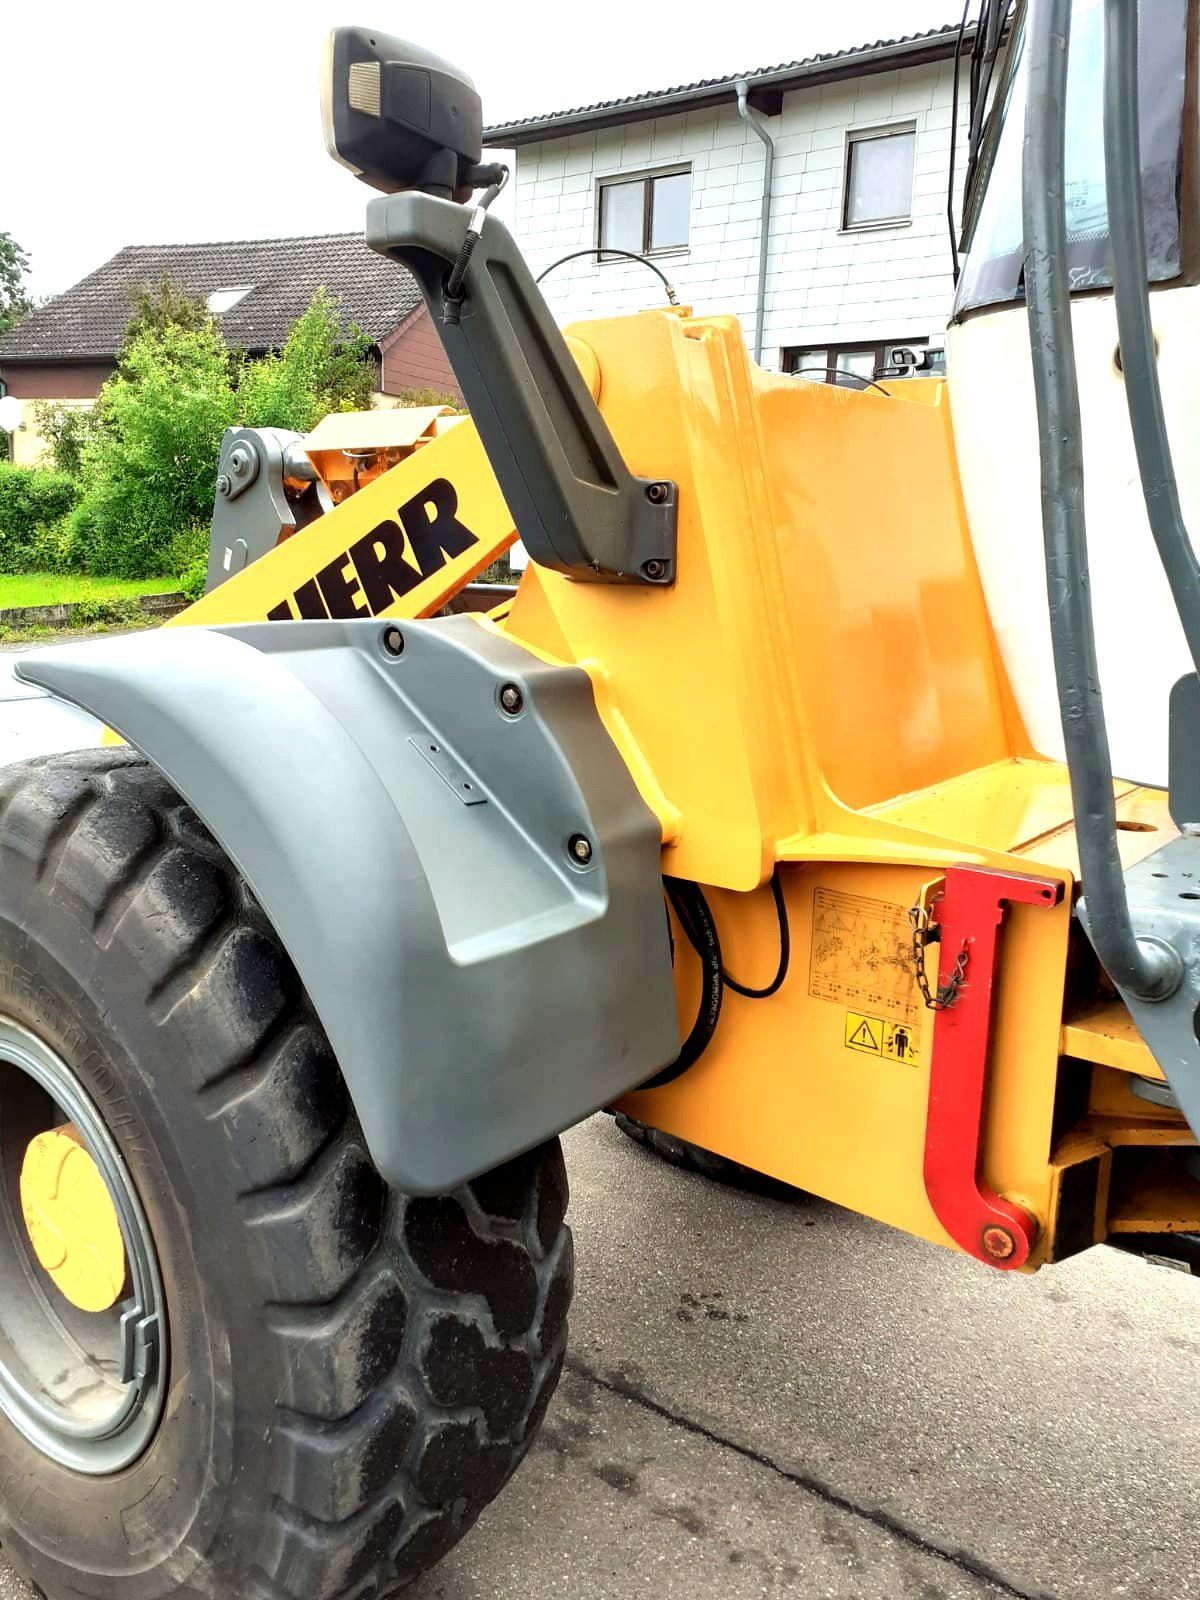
(256, 288)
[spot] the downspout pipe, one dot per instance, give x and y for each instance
(764, 240)
(1144, 967)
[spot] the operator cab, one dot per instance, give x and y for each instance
(1140, 644)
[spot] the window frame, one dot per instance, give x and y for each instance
(238, 290)
(790, 354)
(645, 176)
(854, 136)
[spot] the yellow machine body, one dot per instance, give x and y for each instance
(819, 691)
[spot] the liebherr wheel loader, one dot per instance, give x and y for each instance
(745, 816)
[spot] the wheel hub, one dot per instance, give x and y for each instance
(83, 1328)
(72, 1221)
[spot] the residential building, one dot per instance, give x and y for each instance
(256, 288)
(858, 257)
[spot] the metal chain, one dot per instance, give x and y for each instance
(926, 933)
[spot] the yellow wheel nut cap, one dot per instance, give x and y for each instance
(72, 1222)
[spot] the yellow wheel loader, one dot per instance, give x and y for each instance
(769, 811)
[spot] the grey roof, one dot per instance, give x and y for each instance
(766, 87)
(88, 321)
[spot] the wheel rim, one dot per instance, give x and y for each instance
(84, 1387)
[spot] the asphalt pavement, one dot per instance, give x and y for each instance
(773, 1397)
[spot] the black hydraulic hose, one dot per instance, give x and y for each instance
(1144, 968)
(611, 250)
(1127, 233)
(700, 930)
(785, 950)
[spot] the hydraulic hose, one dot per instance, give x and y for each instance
(1143, 395)
(1145, 968)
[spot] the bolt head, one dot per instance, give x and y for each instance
(579, 848)
(657, 493)
(223, 484)
(511, 699)
(654, 568)
(393, 641)
(998, 1242)
(239, 462)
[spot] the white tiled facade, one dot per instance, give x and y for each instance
(825, 285)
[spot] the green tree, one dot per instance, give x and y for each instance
(166, 304)
(149, 470)
(14, 265)
(147, 457)
(321, 368)
(67, 430)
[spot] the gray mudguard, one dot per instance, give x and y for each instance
(416, 848)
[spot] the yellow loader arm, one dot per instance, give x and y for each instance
(400, 546)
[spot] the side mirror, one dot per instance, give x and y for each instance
(398, 116)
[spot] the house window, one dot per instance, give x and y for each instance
(856, 366)
(646, 213)
(225, 299)
(879, 176)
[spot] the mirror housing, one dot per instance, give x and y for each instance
(399, 117)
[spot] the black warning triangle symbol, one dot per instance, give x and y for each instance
(864, 1038)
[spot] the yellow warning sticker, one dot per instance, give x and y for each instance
(864, 1033)
(894, 1041)
(900, 1044)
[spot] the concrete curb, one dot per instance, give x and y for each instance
(154, 606)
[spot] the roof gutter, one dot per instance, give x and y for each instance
(766, 86)
(764, 215)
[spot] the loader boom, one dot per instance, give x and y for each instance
(399, 547)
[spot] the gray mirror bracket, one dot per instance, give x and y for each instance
(577, 507)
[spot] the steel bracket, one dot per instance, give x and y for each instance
(578, 508)
(1164, 903)
(267, 489)
(969, 913)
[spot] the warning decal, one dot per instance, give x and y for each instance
(899, 1043)
(874, 1037)
(861, 958)
(864, 1033)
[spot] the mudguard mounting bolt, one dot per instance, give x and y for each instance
(511, 699)
(393, 641)
(657, 493)
(654, 569)
(580, 848)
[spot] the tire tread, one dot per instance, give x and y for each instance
(363, 1302)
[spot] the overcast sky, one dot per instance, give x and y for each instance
(133, 122)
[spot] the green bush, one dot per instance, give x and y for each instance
(93, 609)
(320, 369)
(428, 397)
(148, 457)
(32, 501)
(188, 556)
(150, 471)
(67, 429)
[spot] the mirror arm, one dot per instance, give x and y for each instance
(577, 507)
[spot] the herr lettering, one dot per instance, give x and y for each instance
(378, 569)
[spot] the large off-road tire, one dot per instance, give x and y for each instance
(348, 1375)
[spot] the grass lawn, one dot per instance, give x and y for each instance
(54, 588)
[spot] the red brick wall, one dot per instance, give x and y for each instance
(413, 358)
(56, 380)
